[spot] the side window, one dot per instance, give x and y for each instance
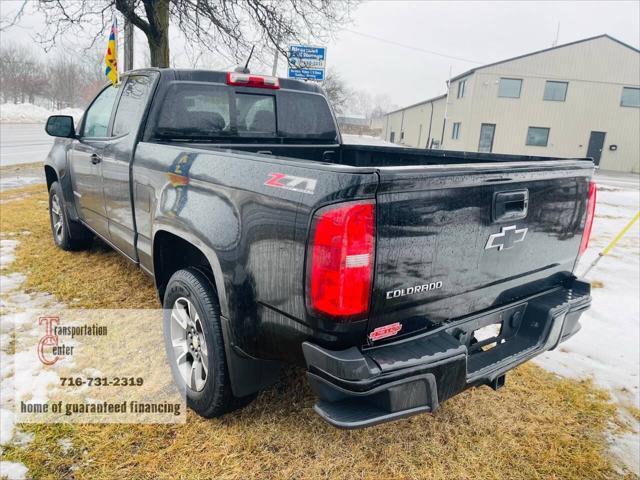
(97, 117)
(538, 136)
(461, 88)
(630, 97)
(194, 110)
(509, 87)
(455, 132)
(131, 104)
(555, 91)
(256, 114)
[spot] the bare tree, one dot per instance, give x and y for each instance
(360, 103)
(22, 75)
(336, 90)
(65, 81)
(226, 27)
(382, 105)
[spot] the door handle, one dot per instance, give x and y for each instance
(95, 158)
(510, 205)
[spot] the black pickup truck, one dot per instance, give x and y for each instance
(398, 277)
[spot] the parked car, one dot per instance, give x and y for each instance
(397, 277)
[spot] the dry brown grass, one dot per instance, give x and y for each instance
(538, 427)
(98, 278)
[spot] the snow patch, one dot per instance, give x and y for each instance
(13, 470)
(7, 426)
(29, 113)
(7, 252)
(14, 181)
(626, 446)
(23, 439)
(65, 445)
(31, 379)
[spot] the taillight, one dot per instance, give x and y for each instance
(248, 80)
(340, 260)
(591, 208)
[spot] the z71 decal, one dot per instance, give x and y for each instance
(291, 182)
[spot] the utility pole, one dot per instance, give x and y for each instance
(446, 109)
(128, 46)
(555, 42)
(274, 70)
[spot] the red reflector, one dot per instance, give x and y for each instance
(340, 260)
(386, 331)
(588, 223)
(248, 80)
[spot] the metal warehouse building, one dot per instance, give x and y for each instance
(581, 99)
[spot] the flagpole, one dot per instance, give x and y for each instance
(115, 21)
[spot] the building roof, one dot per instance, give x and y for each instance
(444, 95)
(469, 72)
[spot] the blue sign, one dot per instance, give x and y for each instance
(307, 62)
(306, 74)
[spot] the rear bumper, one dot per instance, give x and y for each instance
(359, 388)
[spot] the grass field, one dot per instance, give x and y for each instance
(538, 427)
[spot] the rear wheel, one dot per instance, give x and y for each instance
(194, 344)
(61, 226)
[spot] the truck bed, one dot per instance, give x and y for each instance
(379, 156)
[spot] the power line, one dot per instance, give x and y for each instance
(410, 47)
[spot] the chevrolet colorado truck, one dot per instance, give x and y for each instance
(397, 277)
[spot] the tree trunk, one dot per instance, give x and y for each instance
(159, 52)
(159, 37)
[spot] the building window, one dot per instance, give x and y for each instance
(555, 91)
(630, 97)
(510, 87)
(392, 137)
(401, 136)
(538, 136)
(455, 131)
(462, 85)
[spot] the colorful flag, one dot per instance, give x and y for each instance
(111, 58)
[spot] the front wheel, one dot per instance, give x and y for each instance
(61, 225)
(194, 344)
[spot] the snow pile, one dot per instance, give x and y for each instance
(29, 113)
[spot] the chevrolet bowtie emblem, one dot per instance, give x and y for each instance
(507, 237)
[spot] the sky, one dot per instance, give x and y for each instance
(407, 49)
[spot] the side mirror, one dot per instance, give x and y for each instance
(60, 126)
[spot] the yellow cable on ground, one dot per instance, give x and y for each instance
(620, 235)
(613, 243)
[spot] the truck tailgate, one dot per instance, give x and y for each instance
(458, 239)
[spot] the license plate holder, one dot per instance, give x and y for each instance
(488, 336)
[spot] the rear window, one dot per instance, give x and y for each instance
(214, 112)
(305, 115)
(256, 114)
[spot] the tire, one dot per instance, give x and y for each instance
(61, 226)
(190, 291)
